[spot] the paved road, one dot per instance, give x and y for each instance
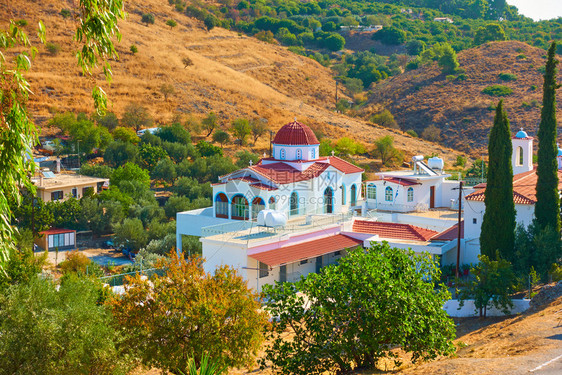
(550, 367)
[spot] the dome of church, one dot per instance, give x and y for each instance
(295, 133)
(521, 134)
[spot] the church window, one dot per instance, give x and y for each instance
(388, 194)
(410, 194)
(299, 154)
(519, 156)
(313, 154)
(282, 154)
(371, 191)
(474, 221)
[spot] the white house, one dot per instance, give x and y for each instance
(524, 193)
(423, 187)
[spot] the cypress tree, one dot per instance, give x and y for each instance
(498, 225)
(547, 208)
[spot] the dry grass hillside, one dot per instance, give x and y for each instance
(424, 96)
(232, 75)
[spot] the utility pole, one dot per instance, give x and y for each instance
(270, 140)
(459, 230)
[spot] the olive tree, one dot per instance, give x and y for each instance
(355, 313)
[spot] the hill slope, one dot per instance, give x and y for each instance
(424, 96)
(233, 75)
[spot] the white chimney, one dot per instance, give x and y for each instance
(58, 165)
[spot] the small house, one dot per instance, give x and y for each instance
(63, 239)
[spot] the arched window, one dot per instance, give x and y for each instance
(353, 195)
(328, 200)
(240, 208)
(410, 194)
(343, 194)
(519, 161)
(272, 203)
(294, 204)
(221, 206)
(372, 191)
(258, 204)
(282, 154)
(313, 153)
(388, 194)
(299, 154)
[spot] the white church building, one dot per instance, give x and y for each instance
(524, 192)
(294, 212)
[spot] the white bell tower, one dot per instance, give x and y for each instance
(522, 157)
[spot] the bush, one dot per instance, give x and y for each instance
(521, 57)
(461, 161)
(52, 48)
(385, 118)
(347, 146)
(207, 149)
(171, 23)
(533, 87)
(134, 49)
(412, 133)
(65, 13)
(431, 133)
(147, 18)
(96, 170)
(507, 76)
(450, 77)
(125, 135)
(174, 133)
(497, 90)
(244, 157)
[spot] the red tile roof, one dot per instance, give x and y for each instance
(306, 250)
(56, 231)
(401, 181)
(263, 186)
(246, 179)
(450, 234)
(524, 188)
(393, 230)
(344, 166)
(295, 133)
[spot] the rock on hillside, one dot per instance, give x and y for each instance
(464, 114)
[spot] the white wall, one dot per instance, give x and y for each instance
(308, 152)
(527, 146)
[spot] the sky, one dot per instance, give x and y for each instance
(538, 9)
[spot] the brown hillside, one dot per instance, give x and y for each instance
(233, 75)
(424, 96)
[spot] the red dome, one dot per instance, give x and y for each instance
(295, 133)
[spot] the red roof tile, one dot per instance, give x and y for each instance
(393, 230)
(343, 166)
(450, 234)
(524, 188)
(306, 250)
(295, 133)
(246, 179)
(401, 181)
(57, 231)
(263, 186)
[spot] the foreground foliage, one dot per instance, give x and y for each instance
(193, 313)
(45, 331)
(355, 313)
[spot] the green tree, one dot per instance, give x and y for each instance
(125, 135)
(150, 155)
(191, 188)
(385, 118)
(130, 172)
(47, 329)
(385, 150)
(147, 18)
(353, 314)
(547, 208)
(109, 120)
(448, 60)
(207, 149)
(167, 89)
(258, 128)
(498, 224)
(492, 285)
(334, 42)
(176, 204)
(165, 170)
(174, 133)
(415, 47)
(241, 129)
(244, 158)
(136, 117)
(195, 313)
(221, 137)
(489, 33)
(390, 35)
(431, 133)
(131, 233)
(347, 146)
(118, 153)
(210, 123)
(210, 22)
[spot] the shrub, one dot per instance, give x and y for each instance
(533, 87)
(134, 49)
(52, 48)
(521, 57)
(147, 18)
(450, 77)
(431, 133)
(21, 23)
(265, 36)
(507, 76)
(221, 137)
(461, 161)
(497, 90)
(412, 133)
(462, 77)
(207, 149)
(385, 118)
(171, 23)
(65, 13)
(75, 262)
